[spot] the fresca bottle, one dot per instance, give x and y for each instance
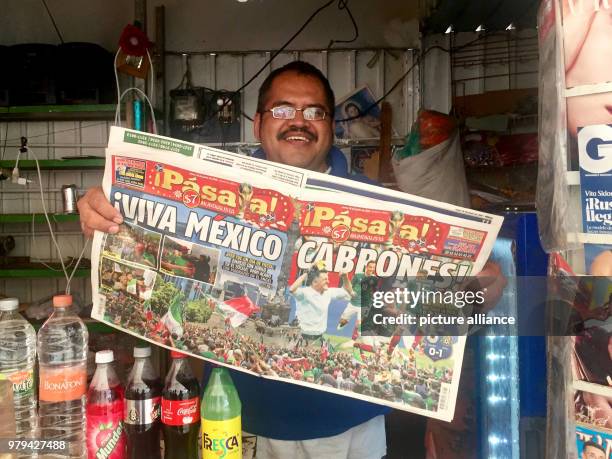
(105, 433)
(221, 418)
(62, 359)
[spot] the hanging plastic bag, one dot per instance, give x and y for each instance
(431, 163)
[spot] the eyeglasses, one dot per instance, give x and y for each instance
(287, 112)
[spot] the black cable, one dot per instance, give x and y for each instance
(53, 21)
(287, 43)
(343, 5)
(269, 61)
(59, 131)
(412, 67)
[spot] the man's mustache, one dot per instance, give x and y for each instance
(296, 131)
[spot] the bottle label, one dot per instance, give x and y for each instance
(62, 384)
(23, 382)
(180, 412)
(142, 412)
(105, 435)
(222, 439)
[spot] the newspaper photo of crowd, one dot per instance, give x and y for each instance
(186, 259)
(133, 244)
(387, 372)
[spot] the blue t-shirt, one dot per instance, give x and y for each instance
(284, 411)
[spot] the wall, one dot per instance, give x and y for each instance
(193, 25)
(346, 70)
(47, 140)
(214, 24)
(498, 61)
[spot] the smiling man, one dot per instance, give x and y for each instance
(294, 122)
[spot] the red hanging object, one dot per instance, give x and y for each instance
(133, 58)
(134, 41)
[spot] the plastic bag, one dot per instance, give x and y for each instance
(435, 173)
(431, 128)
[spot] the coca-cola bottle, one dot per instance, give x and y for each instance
(181, 410)
(143, 408)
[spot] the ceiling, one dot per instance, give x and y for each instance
(494, 15)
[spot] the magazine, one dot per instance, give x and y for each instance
(593, 422)
(272, 270)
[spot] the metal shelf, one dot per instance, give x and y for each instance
(39, 271)
(59, 164)
(38, 218)
(92, 325)
(58, 112)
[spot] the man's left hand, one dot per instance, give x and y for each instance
(491, 282)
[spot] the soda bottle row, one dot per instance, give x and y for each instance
(121, 425)
(106, 421)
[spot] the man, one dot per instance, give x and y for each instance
(294, 123)
(592, 450)
(312, 302)
(363, 286)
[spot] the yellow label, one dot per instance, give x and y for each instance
(222, 439)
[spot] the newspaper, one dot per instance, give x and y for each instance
(272, 269)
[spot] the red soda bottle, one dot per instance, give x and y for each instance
(143, 408)
(181, 410)
(105, 435)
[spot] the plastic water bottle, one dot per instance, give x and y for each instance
(221, 418)
(17, 359)
(62, 358)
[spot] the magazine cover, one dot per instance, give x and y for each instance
(595, 160)
(593, 424)
(593, 443)
(275, 272)
(358, 115)
(582, 310)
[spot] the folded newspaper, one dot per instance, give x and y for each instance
(271, 269)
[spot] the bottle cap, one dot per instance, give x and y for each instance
(62, 301)
(177, 355)
(9, 304)
(105, 356)
(142, 351)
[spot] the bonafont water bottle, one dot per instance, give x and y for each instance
(62, 358)
(17, 359)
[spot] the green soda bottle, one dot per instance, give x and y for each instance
(221, 418)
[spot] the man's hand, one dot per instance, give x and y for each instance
(492, 283)
(97, 213)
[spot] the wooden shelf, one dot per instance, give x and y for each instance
(38, 218)
(58, 112)
(58, 164)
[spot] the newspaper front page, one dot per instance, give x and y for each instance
(280, 272)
